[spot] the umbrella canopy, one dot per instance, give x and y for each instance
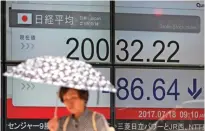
(61, 71)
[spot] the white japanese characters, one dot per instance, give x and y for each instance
(69, 19)
(49, 19)
(24, 125)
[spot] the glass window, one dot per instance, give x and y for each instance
(157, 70)
(159, 38)
(78, 30)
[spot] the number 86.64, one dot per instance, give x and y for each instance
(159, 92)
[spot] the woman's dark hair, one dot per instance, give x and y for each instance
(83, 94)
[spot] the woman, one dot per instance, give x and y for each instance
(81, 119)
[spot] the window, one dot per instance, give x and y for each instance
(78, 30)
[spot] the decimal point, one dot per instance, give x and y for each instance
(148, 60)
(148, 98)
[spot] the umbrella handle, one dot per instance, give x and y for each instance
(55, 111)
(98, 97)
(56, 106)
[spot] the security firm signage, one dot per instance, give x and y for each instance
(26, 94)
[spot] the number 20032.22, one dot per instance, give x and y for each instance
(124, 49)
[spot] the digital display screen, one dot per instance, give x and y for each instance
(58, 29)
(148, 35)
(153, 33)
(24, 94)
(152, 90)
(167, 33)
(76, 32)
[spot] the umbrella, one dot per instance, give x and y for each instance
(61, 71)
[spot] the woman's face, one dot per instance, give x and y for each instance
(73, 102)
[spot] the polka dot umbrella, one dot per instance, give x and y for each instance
(61, 71)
